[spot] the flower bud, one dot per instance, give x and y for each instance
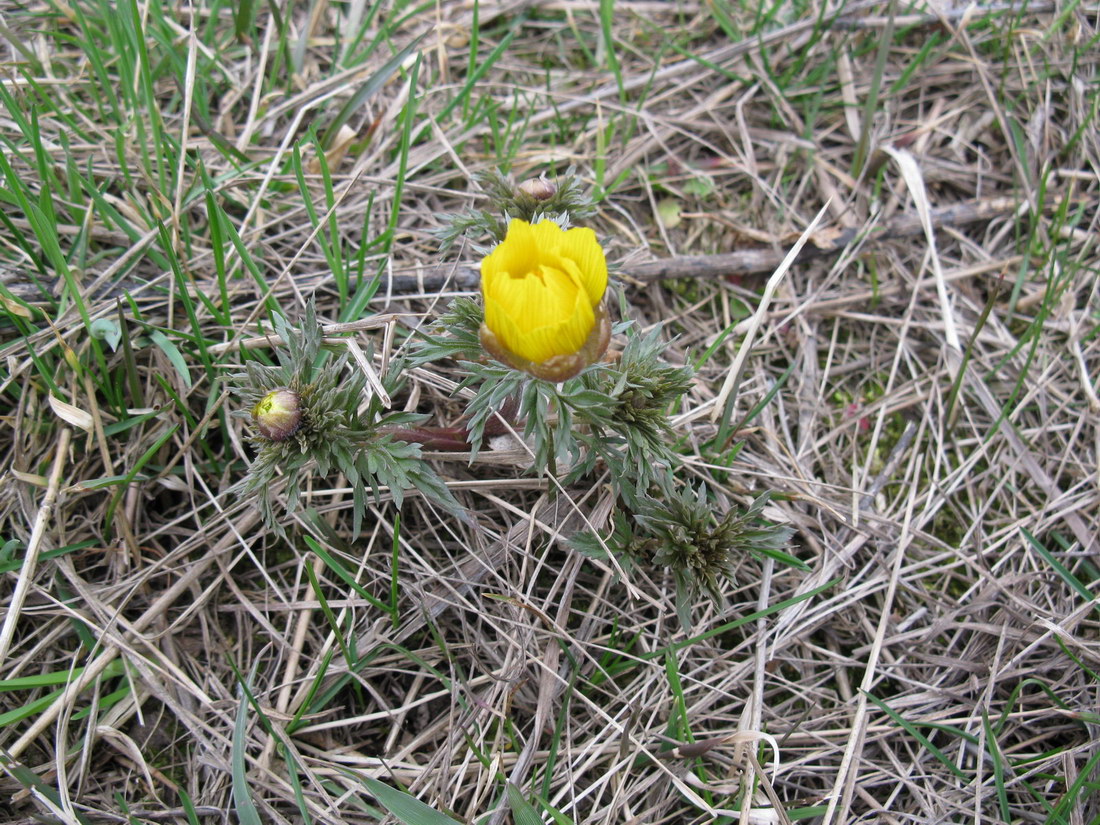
(543, 290)
(539, 189)
(278, 415)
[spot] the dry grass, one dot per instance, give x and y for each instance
(926, 413)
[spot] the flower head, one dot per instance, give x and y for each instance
(538, 189)
(278, 415)
(543, 290)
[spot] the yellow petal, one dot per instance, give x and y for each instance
(547, 235)
(544, 300)
(540, 338)
(516, 255)
(580, 246)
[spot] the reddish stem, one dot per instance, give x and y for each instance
(457, 438)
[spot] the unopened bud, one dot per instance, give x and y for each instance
(540, 189)
(278, 415)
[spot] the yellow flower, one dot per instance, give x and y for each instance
(543, 291)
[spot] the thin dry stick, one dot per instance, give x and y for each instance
(733, 379)
(915, 181)
(34, 546)
(754, 261)
(273, 340)
(827, 242)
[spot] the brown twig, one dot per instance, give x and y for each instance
(752, 261)
(755, 261)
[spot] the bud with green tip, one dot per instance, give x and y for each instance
(278, 415)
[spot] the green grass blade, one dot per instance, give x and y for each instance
(751, 617)
(330, 617)
(920, 737)
(141, 462)
(523, 812)
(1063, 572)
(293, 771)
(607, 17)
(997, 759)
(407, 117)
(404, 806)
(372, 85)
(242, 793)
(34, 784)
(188, 807)
(490, 60)
(175, 357)
(341, 571)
